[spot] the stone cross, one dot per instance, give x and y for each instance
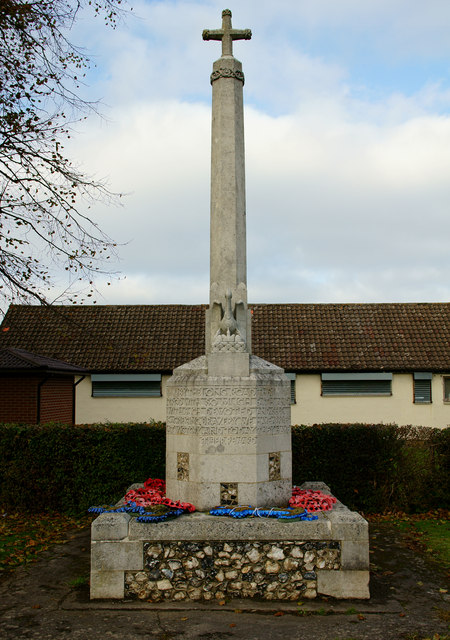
(227, 321)
(227, 34)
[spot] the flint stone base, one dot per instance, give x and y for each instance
(199, 557)
(228, 429)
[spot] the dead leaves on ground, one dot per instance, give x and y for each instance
(24, 536)
(401, 516)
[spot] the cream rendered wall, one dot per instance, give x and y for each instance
(310, 407)
(89, 409)
(399, 408)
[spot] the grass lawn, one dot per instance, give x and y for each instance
(435, 535)
(24, 536)
(428, 533)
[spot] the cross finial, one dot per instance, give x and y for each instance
(227, 34)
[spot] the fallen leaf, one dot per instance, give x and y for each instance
(232, 624)
(184, 618)
(361, 617)
(420, 583)
(221, 603)
(238, 611)
(36, 606)
(279, 613)
(401, 615)
(443, 590)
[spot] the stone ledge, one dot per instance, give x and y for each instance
(202, 526)
(343, 584)
(116, 556)
(355, 555)
(110, 526)
(107, 584)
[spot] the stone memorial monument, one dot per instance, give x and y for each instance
(228, 412)
(229, 438)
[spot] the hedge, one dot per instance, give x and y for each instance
(371, 468)
(376, 468)
(67, 468)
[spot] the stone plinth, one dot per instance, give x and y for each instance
(228, 436)
(199, 557)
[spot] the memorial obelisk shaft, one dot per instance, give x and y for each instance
(228, 437)
(228, 262)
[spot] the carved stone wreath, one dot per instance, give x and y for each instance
(227, 73)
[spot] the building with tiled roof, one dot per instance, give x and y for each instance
(18, 360)
(36, 388)
(346, 362)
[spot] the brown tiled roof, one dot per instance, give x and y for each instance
(109, 338)
(357, 337)
(12, 359)
(298, 337)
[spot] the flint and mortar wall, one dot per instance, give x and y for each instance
(236, 569)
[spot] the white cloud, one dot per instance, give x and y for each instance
(347, 193)
(154, 288)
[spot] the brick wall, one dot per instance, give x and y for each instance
(57, 399)
(19, 398)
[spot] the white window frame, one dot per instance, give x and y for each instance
(356, 384)
(446, 389)
(422, 388)
(292, 377)
(120, 385)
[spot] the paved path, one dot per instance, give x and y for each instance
(40, 602)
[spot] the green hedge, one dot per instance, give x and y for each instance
(68, 468)
(376, 468)
(371, 468)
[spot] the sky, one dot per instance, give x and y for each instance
(347, 137)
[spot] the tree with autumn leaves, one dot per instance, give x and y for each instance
(42, 226)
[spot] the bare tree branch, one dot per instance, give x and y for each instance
(40, 189)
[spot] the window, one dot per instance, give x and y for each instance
(131, 385)
(446, 389)
(356, 384)
(291, 378)
(422, 388)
